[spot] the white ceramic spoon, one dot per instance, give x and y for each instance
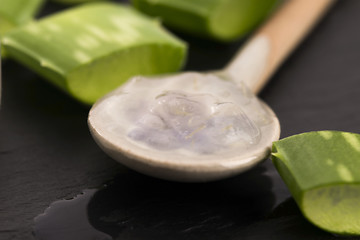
(201, 127)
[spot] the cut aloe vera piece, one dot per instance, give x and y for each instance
(91, 49)
(322, 171)
(14, 13)
(75, 1)
(224, 20)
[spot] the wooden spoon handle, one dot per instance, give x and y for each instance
(274, 41)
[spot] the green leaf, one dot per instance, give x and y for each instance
(74, 1)
(322, 171)
(15, 13)
(90, 50)
(223, 20)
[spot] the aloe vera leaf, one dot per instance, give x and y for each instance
(322, 171)
(75, 1)
(91, 49)
(223, 20)
(18, 12)
(14, 13)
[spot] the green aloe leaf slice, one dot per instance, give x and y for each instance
(15, 13)
(74, 1)
(91, 49)
(322, 171)
(223, 20)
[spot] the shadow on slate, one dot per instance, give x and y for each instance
(134, 206)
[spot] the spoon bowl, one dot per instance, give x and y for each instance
(186, 153)
(195, 127)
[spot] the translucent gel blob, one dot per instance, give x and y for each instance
(198, 122)
(185, 116)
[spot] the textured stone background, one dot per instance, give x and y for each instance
(47, 153)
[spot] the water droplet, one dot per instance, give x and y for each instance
(67, 219)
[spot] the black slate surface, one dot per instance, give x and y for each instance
(47, 153)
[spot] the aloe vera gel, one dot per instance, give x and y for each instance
(202, 122)
(89, 50)
(190, 114)
(322, 171)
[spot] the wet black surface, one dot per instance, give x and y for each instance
(133, 206)
(47, 153)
